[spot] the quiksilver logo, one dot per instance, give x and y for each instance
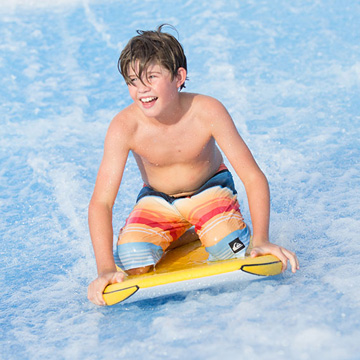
(236, 245)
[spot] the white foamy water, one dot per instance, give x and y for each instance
(289, 73)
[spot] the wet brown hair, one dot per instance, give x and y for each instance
(152, 46)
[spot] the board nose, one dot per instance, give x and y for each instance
(113, 294)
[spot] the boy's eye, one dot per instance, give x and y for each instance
(132, 81)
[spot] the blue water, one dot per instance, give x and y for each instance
(289, 73)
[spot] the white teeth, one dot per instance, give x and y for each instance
(146, 100)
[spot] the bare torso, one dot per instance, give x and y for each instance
(176, 157)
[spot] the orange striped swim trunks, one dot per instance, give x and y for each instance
(158, 219)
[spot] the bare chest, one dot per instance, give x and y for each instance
(170, 146)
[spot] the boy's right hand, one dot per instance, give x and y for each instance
(96, 287)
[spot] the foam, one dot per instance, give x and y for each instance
(33, 5)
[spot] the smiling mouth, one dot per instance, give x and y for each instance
(148, 99)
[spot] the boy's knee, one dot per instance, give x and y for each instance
(232, 246)
(139, 271)
(138, 257)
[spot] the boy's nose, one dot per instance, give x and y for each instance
(143, 87)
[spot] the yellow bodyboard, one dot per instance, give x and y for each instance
(188, 262)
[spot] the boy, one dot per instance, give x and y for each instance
(173, 137)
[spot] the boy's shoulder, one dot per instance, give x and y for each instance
(126, 118)
(122, 126)
(200, 98)
(202, 101)
(127, 113)
(205, 106)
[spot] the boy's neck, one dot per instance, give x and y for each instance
(174, 114)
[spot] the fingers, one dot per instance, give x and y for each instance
(99, 300)
(118, 277)
(281, 253)
(283, 258)
(294, 262)
(273, 250)
(254, 253)
(287, 255)
(95, 291)
(96, 287)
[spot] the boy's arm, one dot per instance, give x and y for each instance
(100, 210)
(256, 186)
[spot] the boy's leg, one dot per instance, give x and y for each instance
(152, 226)
(217, 218)
(189, 236)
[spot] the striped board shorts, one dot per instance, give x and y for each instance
(158, 219)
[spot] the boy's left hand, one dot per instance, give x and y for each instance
(283, 254)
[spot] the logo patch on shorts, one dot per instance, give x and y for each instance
(236, 245)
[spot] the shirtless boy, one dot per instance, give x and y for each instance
(175, 138)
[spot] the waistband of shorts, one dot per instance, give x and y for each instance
(217, 179)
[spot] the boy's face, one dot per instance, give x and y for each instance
(155, 92)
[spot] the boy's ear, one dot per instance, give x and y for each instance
(180, 77)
